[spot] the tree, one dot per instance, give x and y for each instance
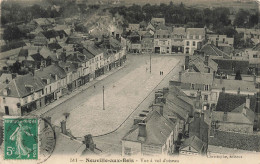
(12, 33)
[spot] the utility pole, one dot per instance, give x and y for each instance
(103, 98)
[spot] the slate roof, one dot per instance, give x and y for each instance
(250, 142)
(158, 129)
(179, 31)
(196, 31)
(195, 143)
(23, 52)
(37, 57)
(229, 102)
(54, 46)
(198, 62)
(234, 85)
(93, 50)
(197, 78)
(227, 65)
(74, 40)
(50, 34)
(198, 127)
(177, 103)
(50, 72)
(256, 47)
(17, 87)
(232, 117)
(212, 50)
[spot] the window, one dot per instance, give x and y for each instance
(45, 90)
(205, 97)
(255, 56)
(206, 87)
(42, 92)
(188, 43)
(50, 88)
(127, 151)
(197, 36)
(100, 57)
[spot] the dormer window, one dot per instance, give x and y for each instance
(6, 91)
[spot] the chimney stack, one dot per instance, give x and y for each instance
(223, 89)
(161, 109)
(248, 102)
(142, 131)
(225, 116)
(206, 62)
(254, 78)
(63, 127)
(180, 74)
(187, 60)
(89, 142)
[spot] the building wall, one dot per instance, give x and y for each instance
(134, 147)
(11, 103)
(151, 149)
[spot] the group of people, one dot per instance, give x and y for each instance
(161, 72)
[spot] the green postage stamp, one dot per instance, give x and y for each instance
(20, 138)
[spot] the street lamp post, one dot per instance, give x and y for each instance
(146, 48)
(103, 98)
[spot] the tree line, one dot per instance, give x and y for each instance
(216, 18)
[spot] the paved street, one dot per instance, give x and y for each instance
(111, 143)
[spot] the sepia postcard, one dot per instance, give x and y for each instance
(130, 81)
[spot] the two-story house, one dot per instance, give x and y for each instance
(22, 95)
(162, 41)
(177, 39)
(194, 39)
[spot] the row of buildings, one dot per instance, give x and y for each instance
(56, 61)
(201, 112)
(159, 38)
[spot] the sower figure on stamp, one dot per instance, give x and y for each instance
(17, 136)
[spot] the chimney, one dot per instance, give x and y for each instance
(180, 74)
(248, 102)
(223, 89)
(221, 80)
(206, 62)
(142, 131)
(161, 109)
(225, 116)
(197, 103)
(187, 60)
(238, 90)
(89, 142)
(63, 127)
(254, 78)
(165, 90)
(202, 117)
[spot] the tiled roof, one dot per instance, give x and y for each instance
(250, 142)
(74, 40)
(234, 85)
(158, 129)
(12, 45)
(229, 102)
(212, 50)
(18, 87)
(247, 112)
(197, 78)
(195, 143)
(93, 50)
(50, 72)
